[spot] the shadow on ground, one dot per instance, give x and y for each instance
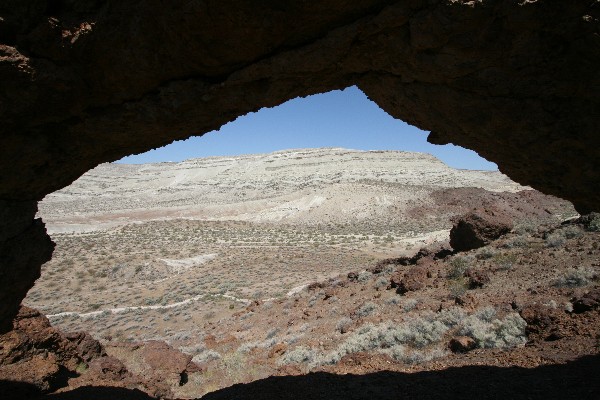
(574, 380)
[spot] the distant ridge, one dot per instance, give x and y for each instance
(292, 186)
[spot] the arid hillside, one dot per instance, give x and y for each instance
(194, 276)
(300, 187)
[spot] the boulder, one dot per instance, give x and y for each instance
(414, 279)
(462, 344)
(35, 353)
(587, 302)
(87, 347)
(543, 322)
(478, 228)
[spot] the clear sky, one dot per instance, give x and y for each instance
(336, 119)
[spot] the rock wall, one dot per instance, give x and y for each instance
(89, 81)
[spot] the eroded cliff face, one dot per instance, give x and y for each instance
(89, 81)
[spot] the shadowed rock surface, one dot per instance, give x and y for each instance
(39, 358)
(563, 381)
(548, 382)
(84, 82)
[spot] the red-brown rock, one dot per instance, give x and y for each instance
(477, 229)
(543, 322)
(88, 347)
(414, 279)
(461, 344)
(477, 278)
(34, 352)
(587, 302)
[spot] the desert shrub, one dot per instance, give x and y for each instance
(364, 276)
(366, 309)
(343, 325)
(571, 231)
(568, 307)
(381, 282)
(291, 339)
(458, 287)
(593, 223)
(485, 253)
(391, 338)
(397, 352)
(555, 239)
(458, 266)
(493, 333)
(393, 301)
(266, 344)
(246, 315)
(298, 355)
(417, 339)
(236, 368)
(418, 356)
(486, 314)
(209, 315)
(575, 277)
(205, 356)
(272, 333)
(519, 241)
(257, 295)
(389, 269)
(524, 227)
(410, 304)
(451, 317)
(504, 261)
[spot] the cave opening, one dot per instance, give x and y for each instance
(89, 82)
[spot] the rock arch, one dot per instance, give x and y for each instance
(85, 82)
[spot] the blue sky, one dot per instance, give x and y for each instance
(336, 119)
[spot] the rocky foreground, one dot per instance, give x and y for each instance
(512, 312)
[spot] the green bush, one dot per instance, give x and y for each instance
(458, 287)
(494, 333)
(571, 231)
(458, 266)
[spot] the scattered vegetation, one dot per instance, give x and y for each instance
(418, 339)
(576, 277)
(458, 266)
